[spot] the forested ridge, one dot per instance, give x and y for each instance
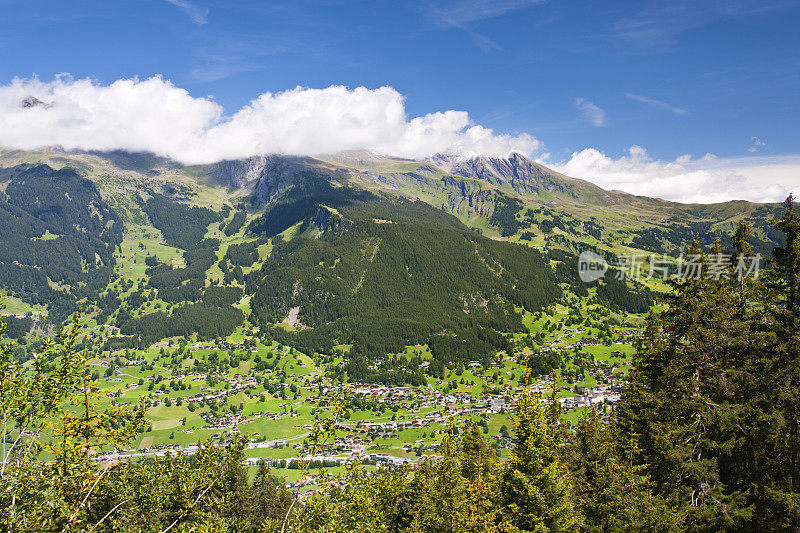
(63, 241)
(181, 225)
(56, 229)
(382, 273)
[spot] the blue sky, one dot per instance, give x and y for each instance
(673, 77)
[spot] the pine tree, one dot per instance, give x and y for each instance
(689, 394)
(779, 494)
(536, 490)
(231, 496)
(269, 504)
(613, 493)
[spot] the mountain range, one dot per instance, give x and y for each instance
(356, 249)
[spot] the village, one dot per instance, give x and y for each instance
(275, 406)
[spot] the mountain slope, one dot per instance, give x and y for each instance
(58, 237)
(354, 248)
(515, 197)
(381, 272)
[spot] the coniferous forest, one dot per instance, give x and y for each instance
(705, 438)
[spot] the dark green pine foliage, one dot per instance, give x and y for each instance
(713, 401)
(222, 296)
(177, 285)
(269, 502)
(687, 396)
(181, 225)
(779, 406)
(381, 273)
(207, 321)
(55, 227)
(536, 489)
(18, 327)
(236, 223)
(616, 294)
(206, 311)
(504, 216)
(613, 493)
(243, 254)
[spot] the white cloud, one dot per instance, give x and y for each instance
(757, 143)
(657, 103)
(199, 15)
(153, 115)
(591, 112)
(705, 180)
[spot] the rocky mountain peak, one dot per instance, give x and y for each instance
(495, 170)
(32, 101)
(265, 175)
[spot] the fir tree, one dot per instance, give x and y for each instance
(536, 489)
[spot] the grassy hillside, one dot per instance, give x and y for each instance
(360, 233)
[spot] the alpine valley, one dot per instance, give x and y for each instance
(235, 297)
